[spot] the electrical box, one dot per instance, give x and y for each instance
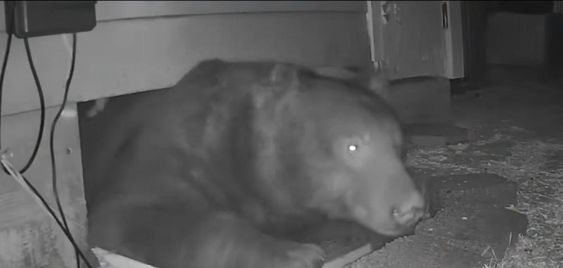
(39, 18)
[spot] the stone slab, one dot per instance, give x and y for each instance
(471, 229)
(469, 226)
(420, 251)
(486, 230)
(435, 134)
(478, 188)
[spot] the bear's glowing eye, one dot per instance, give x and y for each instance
(352, 148)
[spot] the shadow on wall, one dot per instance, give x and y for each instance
(518, 33)
(525, 33)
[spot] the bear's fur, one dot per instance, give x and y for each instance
(221, 169)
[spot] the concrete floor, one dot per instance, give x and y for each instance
(516, 131)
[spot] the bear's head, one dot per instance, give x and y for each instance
(335, 147)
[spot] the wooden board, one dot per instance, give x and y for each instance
(453, 38)
(124, 10)
(413, 39)
(126, 56)
(28, 237)
(410, 38)
(349, 257)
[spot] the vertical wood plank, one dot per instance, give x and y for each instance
(28, 237)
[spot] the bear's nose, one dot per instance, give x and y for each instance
(410, 211)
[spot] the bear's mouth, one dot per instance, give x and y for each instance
(386, 227)
(399, 230)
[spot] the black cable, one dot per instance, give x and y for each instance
(59, 223)
(65, 228)
(42, 103)
(4, 65)
(38, 143)
(9, 29)
(51, 141)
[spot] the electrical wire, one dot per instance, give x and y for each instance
(51, 141)
(39, 138)
(9, 169)
(22, 180)
(2, 73)
(4, 65)
(9, 29)
(42, 104)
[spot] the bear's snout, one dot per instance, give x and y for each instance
(390, 208)
(410, 211)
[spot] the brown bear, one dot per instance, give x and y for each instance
(217, 171)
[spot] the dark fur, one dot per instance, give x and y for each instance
(212, 173)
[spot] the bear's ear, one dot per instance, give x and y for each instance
(338, 72)
(285, 74)
(280, 78)
(208, 67)
(368, 77)
(379, 84)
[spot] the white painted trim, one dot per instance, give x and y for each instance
(453, 38)
(126, 56)
(369, 21)
(121, 10)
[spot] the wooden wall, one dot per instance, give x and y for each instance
(141, 46)
(28, 237)
(410, 38)
(147, 45)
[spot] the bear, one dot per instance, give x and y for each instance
(219, 170)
